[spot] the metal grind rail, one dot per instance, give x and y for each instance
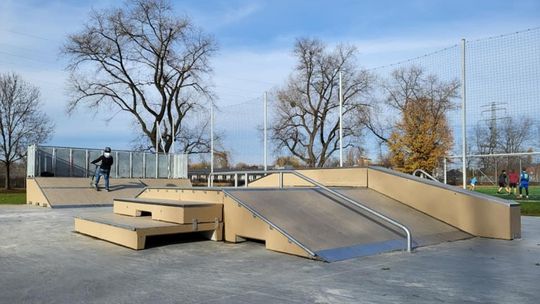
(423, 173)
(272, 225)
(320, 186)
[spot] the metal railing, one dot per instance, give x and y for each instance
(76, 162)
(424, 174)
(281, 173)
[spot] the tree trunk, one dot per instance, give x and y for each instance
(7, 184)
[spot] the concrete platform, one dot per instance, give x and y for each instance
(43, 261)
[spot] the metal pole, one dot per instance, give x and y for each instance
(144, 165)
(130, 164)
(463, 115)
(444, 168)
(157, 148)
(70, 162)
(246, 180)
(265, 130)
(117, 167)
(212, 137)
(86, 160)
(53, 161)
(236, 180)
(340, 121)
(173, 138)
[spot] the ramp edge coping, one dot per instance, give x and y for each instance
(165, 202)
(274, 226)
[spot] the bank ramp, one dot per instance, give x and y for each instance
(333, 229)
(62, 192)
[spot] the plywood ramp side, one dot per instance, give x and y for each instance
(341, 177)
(192, 195)
(477, 214)
(173, 214)
(124, 237)
(34, 194)
(240, 223)
(160, 193)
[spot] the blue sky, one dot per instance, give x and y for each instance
(255, 39)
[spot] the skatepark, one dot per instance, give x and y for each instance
(323, 214)
(315, 235)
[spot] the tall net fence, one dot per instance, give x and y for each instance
(502, 82)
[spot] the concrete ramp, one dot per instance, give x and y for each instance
(334, 229)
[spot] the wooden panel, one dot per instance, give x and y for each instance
(241, 223)
(109, 233)
(340, 177)
(34, 195)
(183, 213)
(477, 214)
(132, 232)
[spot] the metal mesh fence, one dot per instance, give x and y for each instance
(502, 81)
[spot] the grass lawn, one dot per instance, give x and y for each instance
(529, 206)
(12, 197)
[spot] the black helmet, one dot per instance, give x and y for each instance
(107, 149)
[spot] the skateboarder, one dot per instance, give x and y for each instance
(104, 168)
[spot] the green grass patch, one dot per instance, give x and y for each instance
(529, 206)
(12, 197)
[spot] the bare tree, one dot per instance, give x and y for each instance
(21, 120)
(144, 60)
(307, 123)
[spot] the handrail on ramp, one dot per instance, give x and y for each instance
(320, 186)
(423, 173)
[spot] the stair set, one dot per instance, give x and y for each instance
(133, 219)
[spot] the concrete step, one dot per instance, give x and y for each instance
(131, 231)
(174, 211)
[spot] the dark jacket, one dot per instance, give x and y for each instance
(106, 162)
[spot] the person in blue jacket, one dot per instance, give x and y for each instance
(524, 183)
(473, 183)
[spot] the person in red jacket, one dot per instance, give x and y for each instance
(104, 168)
(513, 179)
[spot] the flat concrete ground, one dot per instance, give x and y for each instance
(43, 261)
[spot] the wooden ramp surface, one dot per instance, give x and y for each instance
(58, 192)
(335, 230)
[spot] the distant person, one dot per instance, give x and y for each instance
(513, 179)
(473, 182)
(524, 183)
(503, 182)
(104, 168)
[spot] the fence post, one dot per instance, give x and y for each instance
(144, 165)
(444, 168)
(116, 167)
(463, 115)
(53, 161)
(130, 164)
